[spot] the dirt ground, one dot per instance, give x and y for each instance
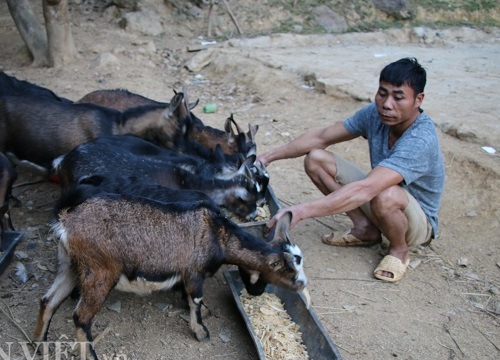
(447, 306)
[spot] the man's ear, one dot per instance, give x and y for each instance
(420, 99)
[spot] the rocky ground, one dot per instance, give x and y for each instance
(447, 306)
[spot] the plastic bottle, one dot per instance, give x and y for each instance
(210, 108)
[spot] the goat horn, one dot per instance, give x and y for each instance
(238, 129)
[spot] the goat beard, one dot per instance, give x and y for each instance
(254, 277)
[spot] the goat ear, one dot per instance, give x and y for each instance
(249, 161)
(219, 156)
(282, 226)
(252, 151)
(241, 143)
(173, 106)
(246, 165)
(219, 153)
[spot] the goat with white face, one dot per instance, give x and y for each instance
(137, 244)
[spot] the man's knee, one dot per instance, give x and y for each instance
(392, 199)
(318, 158)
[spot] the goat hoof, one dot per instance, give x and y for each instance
(202, 335)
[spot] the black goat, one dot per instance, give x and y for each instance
(10, 86)
(234, 188)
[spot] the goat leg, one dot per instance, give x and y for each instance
(195, 300)
(63, 285)
(96, 285)
(196, 324)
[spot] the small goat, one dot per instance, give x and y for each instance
(235, 188)
(40, 130)
(141, 245)
(7, 177)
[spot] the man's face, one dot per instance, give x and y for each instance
(397, 104)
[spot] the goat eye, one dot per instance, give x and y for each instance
(298, 259)
(275, 264)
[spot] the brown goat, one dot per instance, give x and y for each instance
(227, 139)
(118, 99)
(207, 136)
(141, 245)
(39, 130)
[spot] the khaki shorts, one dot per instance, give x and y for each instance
(419, 228)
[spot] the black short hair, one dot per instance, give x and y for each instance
(405, 71)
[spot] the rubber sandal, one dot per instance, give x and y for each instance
(345, 239)
(393, 265)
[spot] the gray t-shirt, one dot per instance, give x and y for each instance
(416, 156)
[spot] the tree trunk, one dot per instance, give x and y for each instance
(61, 48)
(32, 32)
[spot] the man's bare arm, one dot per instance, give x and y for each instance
(348, 197)
(313, 139)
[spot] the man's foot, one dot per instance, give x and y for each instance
(346, 239)
(391, 269)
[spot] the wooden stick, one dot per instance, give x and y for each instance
(209, 31)
(233, 17)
